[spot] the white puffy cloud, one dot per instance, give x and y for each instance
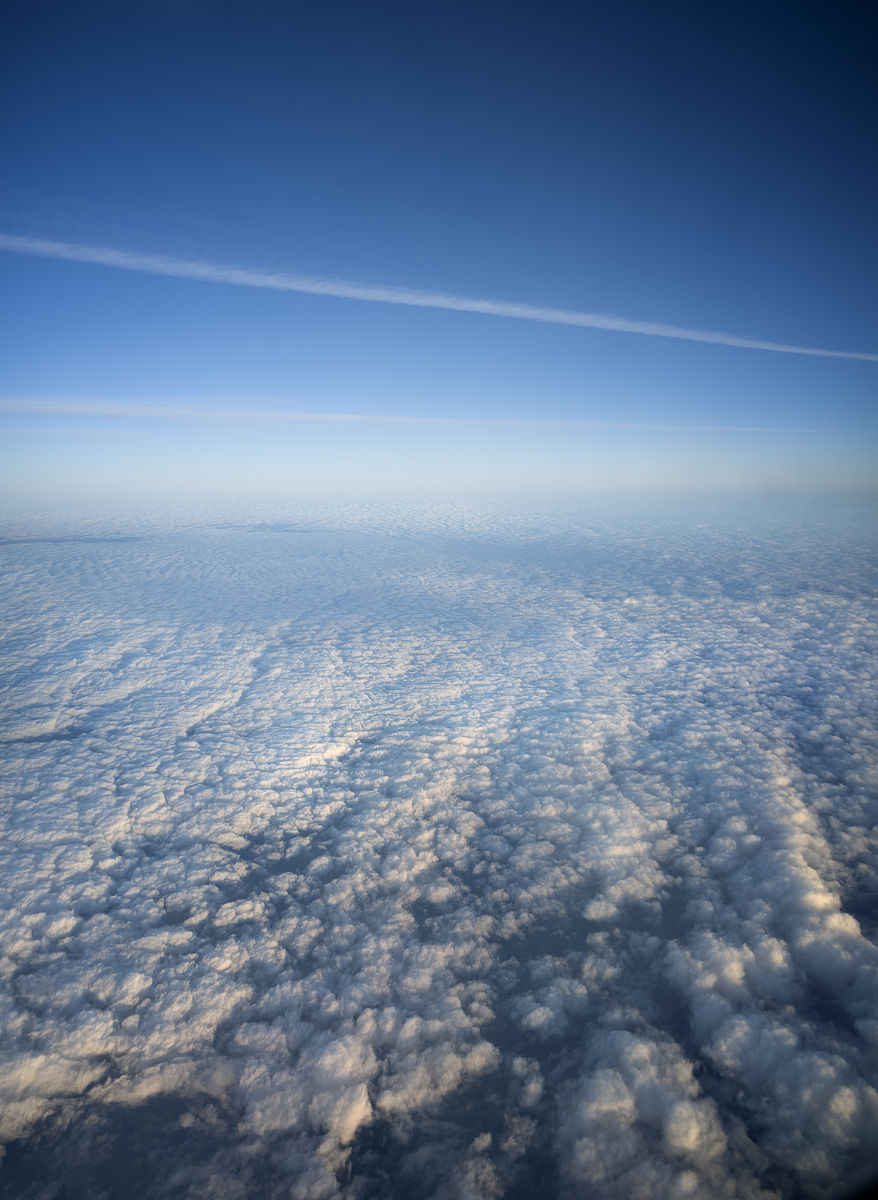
(384, 851)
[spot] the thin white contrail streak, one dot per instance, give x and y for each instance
(137, 409)
(151, 264)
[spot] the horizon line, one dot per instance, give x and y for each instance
(206, 272)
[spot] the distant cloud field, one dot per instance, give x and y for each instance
(456, 851)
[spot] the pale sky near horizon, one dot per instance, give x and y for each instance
(659, 199)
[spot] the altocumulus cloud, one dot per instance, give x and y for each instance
(452, 854)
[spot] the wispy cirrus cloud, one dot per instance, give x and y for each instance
(207, 410)
(205, 272)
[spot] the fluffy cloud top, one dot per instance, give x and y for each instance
(469, 853)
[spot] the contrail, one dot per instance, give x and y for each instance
(210, 411)
(177, 268)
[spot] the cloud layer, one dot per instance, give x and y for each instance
(177, 268)
(447, 853)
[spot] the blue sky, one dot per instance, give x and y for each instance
(706, 167)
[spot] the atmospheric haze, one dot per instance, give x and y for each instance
(456, 850)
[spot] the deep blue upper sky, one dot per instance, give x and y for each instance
(712, 166)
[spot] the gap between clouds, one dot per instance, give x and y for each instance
(151, 264)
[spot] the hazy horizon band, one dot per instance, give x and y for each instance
(205, 272)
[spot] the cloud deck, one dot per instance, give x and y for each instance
(467, 853)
